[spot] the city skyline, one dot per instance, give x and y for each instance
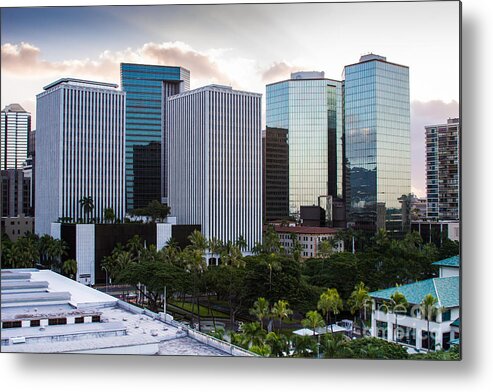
(32, 56)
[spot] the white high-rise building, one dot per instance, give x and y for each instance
(214, 144)
(80, 151)
(15, 126)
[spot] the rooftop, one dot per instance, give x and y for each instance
(445, 290)
(14, 107)
(45, 312)
(305, 229)
(453, 261)
(80, 82)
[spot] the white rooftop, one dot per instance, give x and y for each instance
(120, 328)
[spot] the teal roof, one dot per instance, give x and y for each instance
(446, 290)
(456, 323)
(450, 262)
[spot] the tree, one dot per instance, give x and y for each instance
(313, 320)
(397, 304)
(428, 310)
(326, 248)
(330, 302)
(304, 346)
(260, 310)
(375, 348)
(109, 215)
(278, 343)
(359, 301)
(335, 346)
(156, 211)
(271, 243)
(241, 243)
(232, 261)
(253, 334)
(281, 310)
(56, 250)
(87, 205)
(69, 268)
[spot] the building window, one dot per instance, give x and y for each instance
(446, 316)
(424, 340)
(35, 323)
(57, 321)
(96, 319)
(406, 335)
(12, 324)
(446, 340)
(79, 320)
(382, 329)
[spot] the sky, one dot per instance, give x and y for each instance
(243, 45)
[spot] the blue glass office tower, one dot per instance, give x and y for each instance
(377, 142)
(309, 107)
(147, 87)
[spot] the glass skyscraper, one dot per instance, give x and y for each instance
(309, 107)
(147, 87)
(377, 142)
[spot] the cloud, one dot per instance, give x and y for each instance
(25, 60)
(422, 114)
(278, 71)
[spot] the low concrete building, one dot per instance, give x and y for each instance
(410, 328)
(90, 243)
(437, 231)
(17, 226)
(44, 312)
(309, 238)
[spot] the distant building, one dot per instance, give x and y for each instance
(308, 237)
(147, 87)
(312, 216)
(215, 162)
(411, 329)
(44, 312)
(442, 170)
(17, 226)
(417, 208)
(275, 176)
(80, 151)
(16, 193)
(15, 129)
(377, 143)
(89, 244)
(437, 231)
(308, 108)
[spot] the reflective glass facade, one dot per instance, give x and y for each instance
(147, 87)
(377, 143)
(311, 112)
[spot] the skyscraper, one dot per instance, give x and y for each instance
(147, 87)
(15, 129)
(275, 167)
(442, 170)
(215, 162)
(80, 151)
(377, 142)
(309, 108)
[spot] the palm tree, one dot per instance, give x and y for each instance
(108, 215)
(87, 205)
(254, 335)
(279, 344)
(70, 268)
(57, 249)
(263, 350)
(313, 320)
(397, 304)
(198, 241)
(241, 243)
(428, 310)
(281, 311)
(260, 310)
(304, 346)
(330, 301)
(135, 246)
(334, 346)
(272, 264)
(359, 301)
